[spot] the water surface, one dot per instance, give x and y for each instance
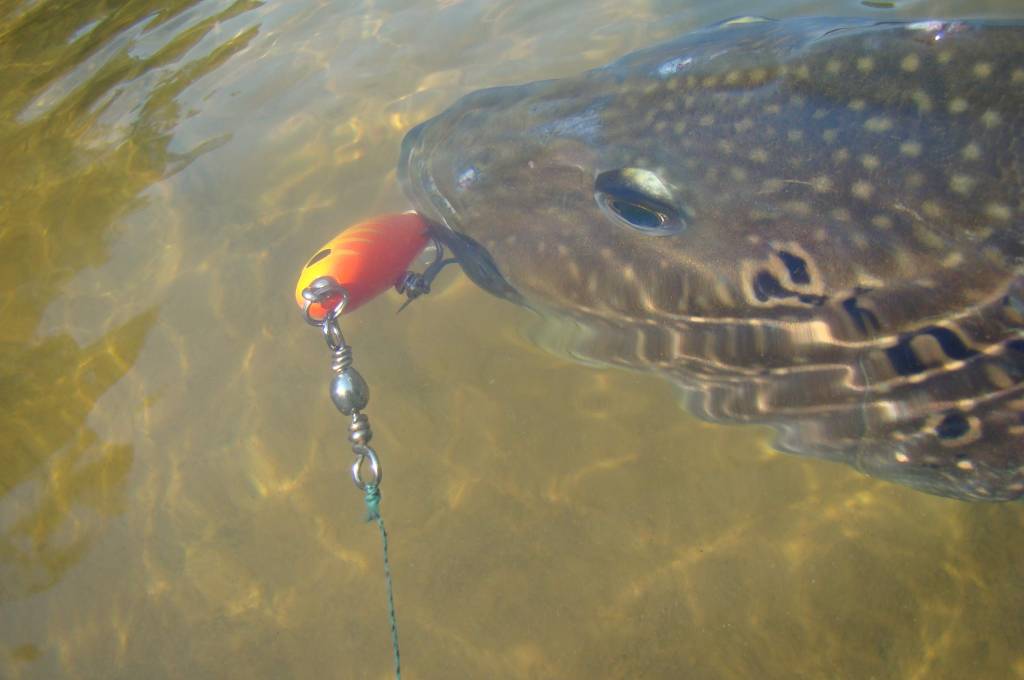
(175, 501)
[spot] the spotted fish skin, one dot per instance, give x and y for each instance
(814, 224)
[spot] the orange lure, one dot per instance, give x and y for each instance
(365, 259)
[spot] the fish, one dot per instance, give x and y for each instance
(814, 224)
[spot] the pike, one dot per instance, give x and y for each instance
(815, 224)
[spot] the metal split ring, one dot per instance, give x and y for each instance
(318, 291)
(364, 453)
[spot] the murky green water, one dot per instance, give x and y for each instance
(175, 494)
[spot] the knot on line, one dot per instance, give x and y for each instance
(372, 500)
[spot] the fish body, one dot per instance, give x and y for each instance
(816, 224)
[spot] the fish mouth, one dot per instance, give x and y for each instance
(417, 181)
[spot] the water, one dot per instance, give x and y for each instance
(175, 495)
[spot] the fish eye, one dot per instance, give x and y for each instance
(638, 199)
(639, 216)
(319, 256)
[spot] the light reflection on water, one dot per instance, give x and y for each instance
(175, 493)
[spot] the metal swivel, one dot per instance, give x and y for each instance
(359, 432)
(349, 391)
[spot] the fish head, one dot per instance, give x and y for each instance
(527, 178)
(659, 182)
(551, 184)
(751, 169)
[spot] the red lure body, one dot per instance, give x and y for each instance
(366, 259)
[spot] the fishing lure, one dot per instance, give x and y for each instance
(365, 259)
(352, 268)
